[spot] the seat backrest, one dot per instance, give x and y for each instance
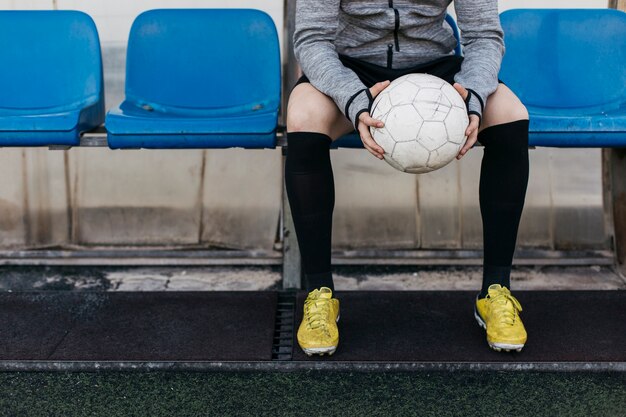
(455, 30)
(566, 58)
(204, 61)
(50, 61)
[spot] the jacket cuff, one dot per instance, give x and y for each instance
(358, 103)
(475, 104)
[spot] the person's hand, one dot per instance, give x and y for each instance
(472, 128)
(366, 121)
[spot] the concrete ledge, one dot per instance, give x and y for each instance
(126, 256)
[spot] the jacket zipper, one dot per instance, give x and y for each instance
(396, 41)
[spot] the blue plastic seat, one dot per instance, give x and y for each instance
(353, 140)
(202, 78)
(51, 86)
(568, 66)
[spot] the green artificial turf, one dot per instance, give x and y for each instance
(313, 393)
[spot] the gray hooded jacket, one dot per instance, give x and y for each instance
(395, 34)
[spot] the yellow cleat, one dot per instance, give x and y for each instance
(318, 333)
(498, 313)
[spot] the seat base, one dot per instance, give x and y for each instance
(132, 127)
(39, 138)
(191, 141)
(62, 128)
(578, 130)
(578, 139)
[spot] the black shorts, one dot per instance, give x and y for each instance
(445, 68)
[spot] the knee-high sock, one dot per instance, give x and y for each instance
(311, 192)
(503, 182)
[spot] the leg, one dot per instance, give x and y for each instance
(313, 120)
(503, 181)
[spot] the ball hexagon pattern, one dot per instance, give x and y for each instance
(425, 121)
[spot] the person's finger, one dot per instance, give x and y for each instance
(378, 87)
(373, 152)
(368, 120)
(461, 90)
(473, 125)
(471, 140)
(472, 136)
(370, 144)
(365, 122)
(373, 148)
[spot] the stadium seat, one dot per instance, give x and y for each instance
(203, 78)
(353, 140)
(51, 87)
(568, 66)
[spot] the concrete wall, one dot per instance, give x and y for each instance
(232, 197)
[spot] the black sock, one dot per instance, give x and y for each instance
(311, 192)
(503, 182)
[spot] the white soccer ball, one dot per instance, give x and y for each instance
(425, 121)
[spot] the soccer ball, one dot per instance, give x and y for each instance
(425, 121)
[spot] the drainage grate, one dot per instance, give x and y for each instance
(282, 345)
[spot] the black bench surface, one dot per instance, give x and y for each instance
(381, 326)
(430, 326)
(137, 326)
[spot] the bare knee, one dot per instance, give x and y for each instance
(304, 119)
(503, 106)
(311, 111)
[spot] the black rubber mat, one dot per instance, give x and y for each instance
(138, 326)
(563, 326)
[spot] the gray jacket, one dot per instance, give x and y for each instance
(395, 34)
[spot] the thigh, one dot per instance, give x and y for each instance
(309, 110)
(503, 106)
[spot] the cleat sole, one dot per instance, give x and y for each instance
(498, 347)
(479, 320)
(507, 347)
(320, 351)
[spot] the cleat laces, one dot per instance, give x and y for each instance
(505, 306)
(316, 314)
